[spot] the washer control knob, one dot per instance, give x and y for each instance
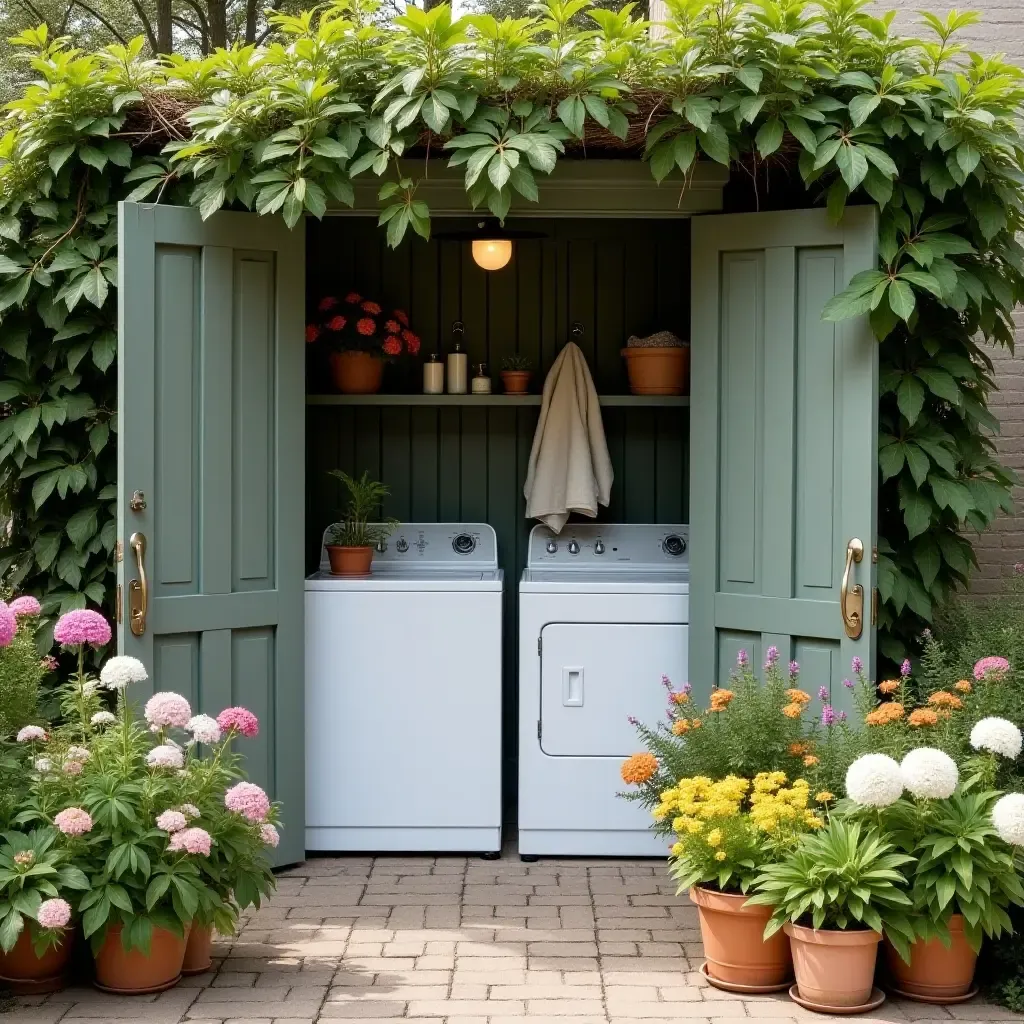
(673, 545)
(574, 547)
(551, 547)
(402, 546)
(599, 547)
(463, 544)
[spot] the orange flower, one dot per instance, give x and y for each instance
(353, 297)
(798, 749)
(720, 699)
(366, 327)
(810, 760)
(679, 697)
(889, 686)
(639, 768)
(696, 723)
(336, 323)
(412, 343)
(312, 332)
(798, 696)
(392, 347)
(370, 307)
(945, 699)
(402, 317)
(793, 710)
(392, 326)
(680, 727)
(963, 686)
(326, 303)
(922, 716)
(885, 713)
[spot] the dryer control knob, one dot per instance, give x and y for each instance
(673, 545)
(464, 544)
(599, 547)
(552, 547)
(574, 547)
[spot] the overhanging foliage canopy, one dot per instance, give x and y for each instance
(922, 128)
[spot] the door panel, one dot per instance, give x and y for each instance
(211, 418)
(784, 442)
(594, 676)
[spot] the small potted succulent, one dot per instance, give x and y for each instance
(360, 335)
(350, 542)
(516, 371)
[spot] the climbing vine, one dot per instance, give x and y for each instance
(826, 93)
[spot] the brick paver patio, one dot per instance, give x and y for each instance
(455, 940)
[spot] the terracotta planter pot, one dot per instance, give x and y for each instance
(736, 951)
(658, 371)
(135, 973)
(935, 974)
(516, 382)
(357, 373)
(197, 951)
(24, 973)
(834, 968)
(349, 561)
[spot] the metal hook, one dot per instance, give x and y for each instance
(576, 330)
(458, 328)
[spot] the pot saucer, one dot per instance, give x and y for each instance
(934, 1000)
(732, 986)
(35, 986)
(876, 1000)
(138, 991)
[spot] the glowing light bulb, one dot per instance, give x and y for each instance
(492, 253)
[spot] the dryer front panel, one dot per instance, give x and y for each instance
(596, 675)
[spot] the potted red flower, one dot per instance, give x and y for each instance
(360, 336)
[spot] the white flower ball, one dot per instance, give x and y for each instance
(165, 756)
(204, 729)
(929, 773)
(43, 764)
(1008, 818)
(103, 718)
(122, 670)
(998, 736)
(874, 780)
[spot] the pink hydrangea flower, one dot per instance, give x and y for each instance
(82, 626)
(55, 913)
(8, 625)
(269, 834)
(991, 668)
(73, 821)
(171, 821)
(241, 720)
(248, 800)
(191, 840)
(49, 663)
(25, 606)
(189, 810)
(31, 733)
(72, 767)
(168, 709)
(165, 756)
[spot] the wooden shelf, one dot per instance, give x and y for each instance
(633, 401)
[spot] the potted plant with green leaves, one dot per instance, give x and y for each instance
(835, 894)
(351, 541)
(516, 371)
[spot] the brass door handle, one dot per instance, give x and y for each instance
(851, 599)
(138, 590)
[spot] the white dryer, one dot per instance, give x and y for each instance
(603, 616)
(403, 696)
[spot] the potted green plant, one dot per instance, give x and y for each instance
(835, 894)
(350, 542)
(36, 936)
(360, 335)
(516, 370)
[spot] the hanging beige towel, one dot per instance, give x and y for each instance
(570, 469)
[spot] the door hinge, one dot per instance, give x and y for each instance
(540, 645)
(538, 728)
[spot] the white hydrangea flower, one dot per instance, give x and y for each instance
(998, 736)
(43, 764)
(874, 780)
(929, 773)
(165, 756)
(121, 671)
(1008, 818)
(204, 729)
(103, 718)
(78, 753)
(89, 688)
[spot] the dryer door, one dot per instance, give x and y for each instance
(596, 675)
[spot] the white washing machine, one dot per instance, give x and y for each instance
(403, 696)
(603, 615)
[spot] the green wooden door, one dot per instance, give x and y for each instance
(784, 444)
(211, 407)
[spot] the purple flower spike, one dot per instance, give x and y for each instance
(794, 669)
(685, 688)
(848, 683)
(823, 694)
(742, 659)
(857, 666)
(905, 668)
(842, 716)
(666, 682)
(772, 657)
(632, 720)
(828, 715)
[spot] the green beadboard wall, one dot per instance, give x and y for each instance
(453, 464)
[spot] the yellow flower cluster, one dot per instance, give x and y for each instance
(699, 799)
(772, 804)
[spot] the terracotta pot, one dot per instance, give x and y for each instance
(658, 371)
(135, 973)
(357, 373)
(24, 973)
(733, 940)
(197, 951)
(349, 561)
(516, 382)
(935, 973)
(834, 968)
